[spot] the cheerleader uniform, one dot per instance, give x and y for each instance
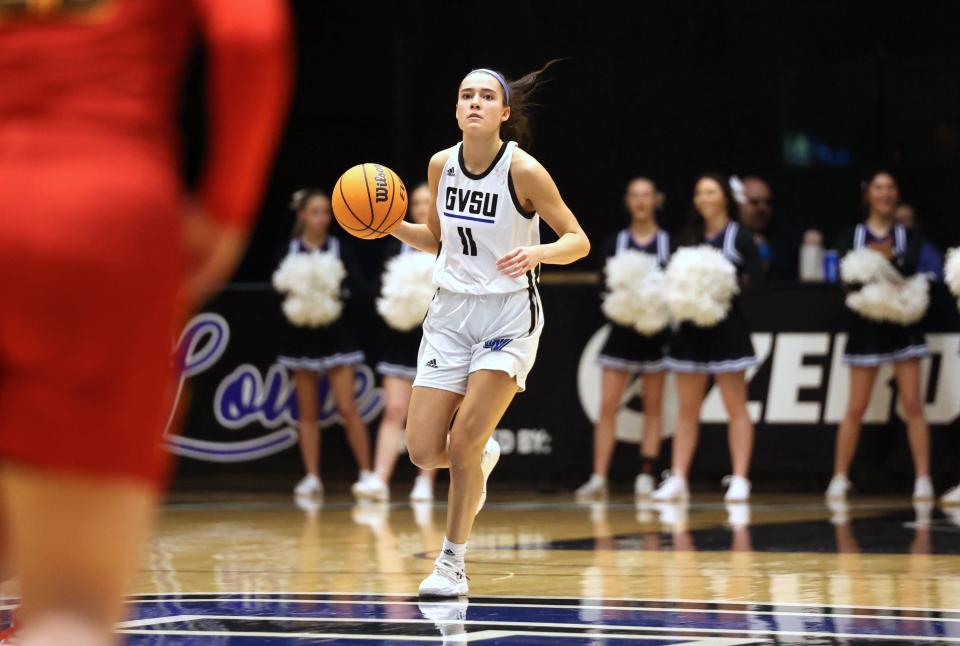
(874, 343)
(725, 347)
(321, 348)
(399, 357)
(626, 349)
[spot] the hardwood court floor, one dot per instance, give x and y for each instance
(543, 570)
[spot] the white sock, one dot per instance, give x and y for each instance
(453, 551)
(364, 475)
(596, 478)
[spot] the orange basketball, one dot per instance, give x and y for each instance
(369, 201)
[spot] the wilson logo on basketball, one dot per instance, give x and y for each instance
(380, 180)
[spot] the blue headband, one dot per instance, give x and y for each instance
(500, 79)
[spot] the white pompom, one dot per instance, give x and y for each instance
(312, 284)
(952, 271)
(407, 290)
(701, 285)
(864, 265)
(902, 303)
(637, 292)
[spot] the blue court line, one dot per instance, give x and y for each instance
(494, 616)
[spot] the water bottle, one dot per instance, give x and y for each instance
(831, 266)
(811, 261)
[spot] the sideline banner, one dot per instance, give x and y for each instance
(242, 411)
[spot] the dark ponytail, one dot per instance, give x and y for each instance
(518, 127)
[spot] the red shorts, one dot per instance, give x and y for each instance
(90, 260)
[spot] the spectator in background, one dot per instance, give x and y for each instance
(931, 260)
(778, 241)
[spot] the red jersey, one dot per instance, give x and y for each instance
(91, 199)
(89, 73)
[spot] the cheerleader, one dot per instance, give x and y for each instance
(871, 343)
(723, 350)
(628, 352)
(309, 352)
(398, 369)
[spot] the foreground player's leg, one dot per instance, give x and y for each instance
(733, 389)
(848, 434)
(428, 425)
(918, 433)
(612, 385)
(690, 391)
(307, 424)
(645, 482)
(489, 393)
(76, 543)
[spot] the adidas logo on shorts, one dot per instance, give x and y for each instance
(432, 363)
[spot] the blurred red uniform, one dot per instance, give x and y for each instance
(90, 208)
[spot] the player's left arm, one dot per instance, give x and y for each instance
(536, 191)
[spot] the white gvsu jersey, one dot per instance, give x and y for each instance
(480, 222)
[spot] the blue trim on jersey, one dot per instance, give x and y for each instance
(465, 217)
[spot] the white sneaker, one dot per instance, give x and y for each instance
(838, 488)
(672, 489)
(489, 459)
(422, 490)
(738, 489)
(593, 489)
(923, 489)
(951, 497)
(372, 488)
(644, 485)
(309, 486)
(447, 580)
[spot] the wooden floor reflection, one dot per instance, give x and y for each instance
(876, 554)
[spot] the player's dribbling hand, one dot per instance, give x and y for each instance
(519, 261)
(212, 250)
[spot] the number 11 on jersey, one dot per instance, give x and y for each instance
(466, 239)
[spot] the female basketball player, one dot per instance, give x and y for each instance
(398, 369)
(627, 351)
(481, 333)
(93, 210)
(871, 344)
(724, 351)
(311, 352)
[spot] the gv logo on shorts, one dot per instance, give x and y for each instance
(496, 344)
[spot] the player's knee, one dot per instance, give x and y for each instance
(464, 453)
(423, 455)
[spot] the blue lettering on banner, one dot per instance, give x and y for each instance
(246, 396)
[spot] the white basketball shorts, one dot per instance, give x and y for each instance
(463, 333)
